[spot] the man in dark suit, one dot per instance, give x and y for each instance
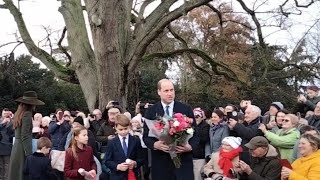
(162, 166)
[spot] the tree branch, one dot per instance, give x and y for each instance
(256, 22)
(154, 31)
(3, 6)
(9, 43)
(219, 14)
(304, 6)
(185, 46)
(64, 50)
(59, 70)
(216, 66)
(143, 7)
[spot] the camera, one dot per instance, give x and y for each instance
(142, 105)
(233, 115)
(115, 103)
(92, 115)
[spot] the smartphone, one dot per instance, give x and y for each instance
(245, 157)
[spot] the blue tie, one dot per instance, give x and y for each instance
(167, 110)
(124, 146)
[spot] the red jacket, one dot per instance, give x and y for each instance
(85, 161)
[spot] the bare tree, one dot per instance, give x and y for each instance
(121, 33)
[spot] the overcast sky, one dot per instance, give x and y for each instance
(44, 13)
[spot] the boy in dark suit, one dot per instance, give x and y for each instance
(124, 152)
(37, 165)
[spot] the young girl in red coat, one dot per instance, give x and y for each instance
(79, 163)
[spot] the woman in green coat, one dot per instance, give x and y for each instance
(22, 123)
(284, 139)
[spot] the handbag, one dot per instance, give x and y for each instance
(57, 159)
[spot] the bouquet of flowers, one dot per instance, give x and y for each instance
(173, 131)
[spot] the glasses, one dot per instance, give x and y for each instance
(286, 120)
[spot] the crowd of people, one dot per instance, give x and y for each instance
(235, 142)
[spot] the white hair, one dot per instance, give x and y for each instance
(37, 116)
(46, 119)
(255, 109)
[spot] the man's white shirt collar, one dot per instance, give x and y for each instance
(170, 109)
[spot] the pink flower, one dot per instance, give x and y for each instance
(159, 125)
(172, 131)
(178, 116)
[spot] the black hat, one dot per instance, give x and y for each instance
(79, 120)
(30, 97)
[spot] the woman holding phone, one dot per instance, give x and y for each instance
(284, 139)
(307, 167)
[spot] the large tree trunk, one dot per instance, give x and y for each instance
(110, 26)
(83, 60)
(106, 72)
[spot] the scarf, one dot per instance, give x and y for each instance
(215, 127)
(225, 160)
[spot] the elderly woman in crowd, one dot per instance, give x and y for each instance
(307, 167)
(285, 138)
(36, 125)
(225, 159)
(304, 130)
(277, 124)
(218, 130)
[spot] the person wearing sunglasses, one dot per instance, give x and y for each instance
(284, 139)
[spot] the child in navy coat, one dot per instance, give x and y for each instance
(38, 165)
(124, 153)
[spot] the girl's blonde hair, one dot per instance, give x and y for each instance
(75, 132)
(22, 108)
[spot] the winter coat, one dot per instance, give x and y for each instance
(309, 105)
(247, 131)
(265, 168)
(95, 126)
(314, 121)
(66, 140)
(57, 132)
(203, 131)
(37, 166)
(212, 165)
(103, 133)
(306, 168)
(72, 165)
(284, 141)
(22, 147)
(6, 135)
(216, 136)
